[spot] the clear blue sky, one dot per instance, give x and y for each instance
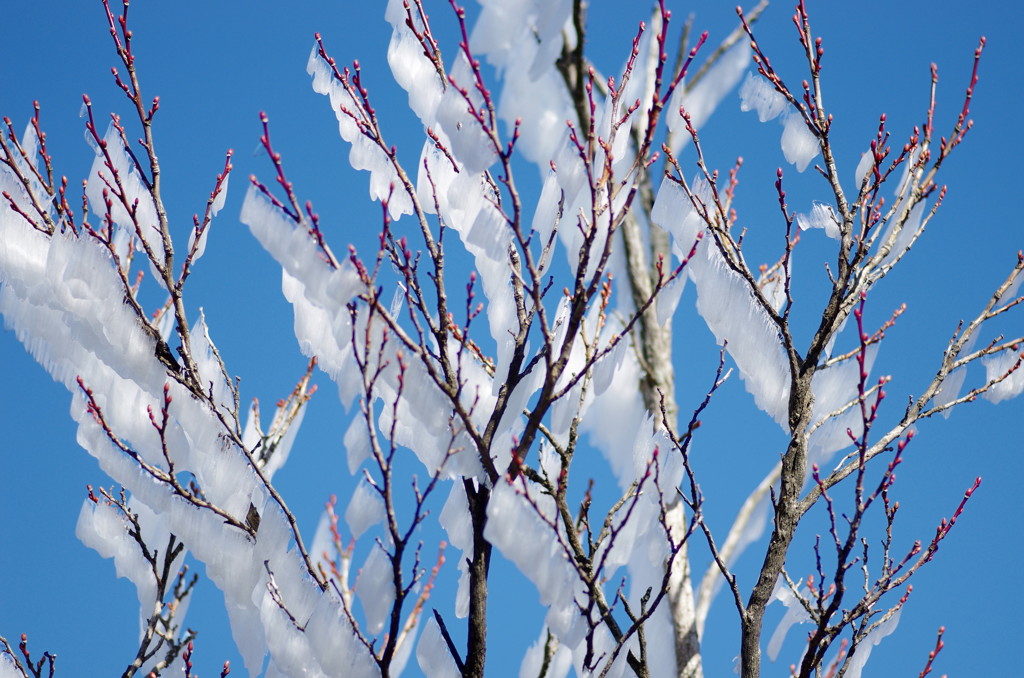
(216, 65)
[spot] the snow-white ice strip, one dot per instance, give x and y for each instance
(727, 302)
(700, 101)
(432, 653)
(799, 143)
(366, 153)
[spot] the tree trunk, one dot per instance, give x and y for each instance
(658, 389)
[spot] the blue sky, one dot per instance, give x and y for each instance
(216, 65)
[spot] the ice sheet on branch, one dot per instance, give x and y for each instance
(469, 209)
(757, 94)
(366, 153)
(523, 40)
(901, 231)
(103, 528)
(795, 614)
(62, 288)
(458, 524)
(234, 561)
(864, 165)
(409, 415)
(726, 302)
(218, 204)
(835, 392)
(517, 515)
(412, 70)
(614, 417)
(557, 666)
(998, 365)
(365, 509)
(821, 216)
(571, 177)
(859, 657)
(702, 99)
(334, 641)
(432, 653)
(211, 374)
(10, 184)
(571, 406)
(799, 144)
(954, 381)
(375, 588)
(136, 195)
(469, 142)
(327, 646)
(56, 294)
(8, 669)
(514, 526)
(318, 293)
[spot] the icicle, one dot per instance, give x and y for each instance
(458, 524)
(614, 417)
(552, 17)
(835, 388)
(540, 103)
(654, 454)
(773, 285)
(218, 204)
(298, 253)
(282, 444)
(726, 303)
(523, 40)
(673, 210)
(609, 365)
(499, 27)
(546, 213)
(1011, 292)
(248, 634)
(290, 651)
(489, 240)
(404, 650)
(799, 145)
(659, 635)
(435, 176)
